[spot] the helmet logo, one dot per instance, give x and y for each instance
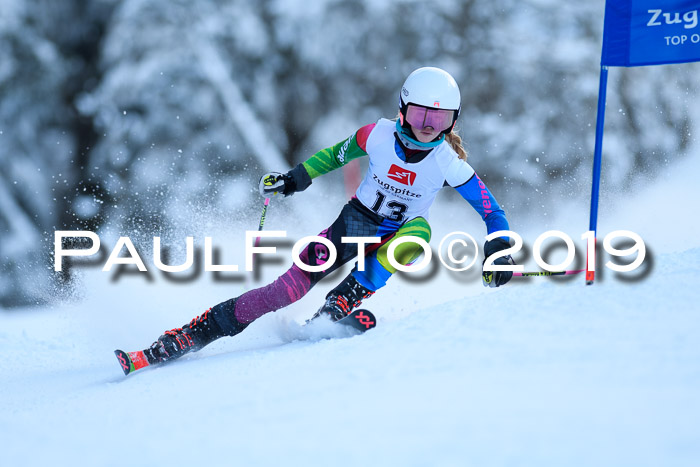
(404, 91)
(436, 104)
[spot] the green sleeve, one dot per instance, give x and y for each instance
(334, 157)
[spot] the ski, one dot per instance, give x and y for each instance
(131, 361)
(360, 319)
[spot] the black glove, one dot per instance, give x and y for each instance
(274, 183)
(496, 278)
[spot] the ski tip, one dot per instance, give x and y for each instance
(124, 361)
(131, 361)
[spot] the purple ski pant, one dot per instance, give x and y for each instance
(354, 220)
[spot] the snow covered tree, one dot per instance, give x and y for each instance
(42, 68)
(139, 116)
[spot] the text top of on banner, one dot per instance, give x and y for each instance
(651, 32)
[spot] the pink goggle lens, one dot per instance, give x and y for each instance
(421, 117)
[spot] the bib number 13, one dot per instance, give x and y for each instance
(397, 209)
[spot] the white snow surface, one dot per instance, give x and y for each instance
(540, 372)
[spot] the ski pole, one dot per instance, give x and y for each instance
(246, 286)
(549, 273)
(262, 220)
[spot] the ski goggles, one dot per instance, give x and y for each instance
(421, 117)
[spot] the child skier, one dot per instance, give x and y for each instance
(410, 160)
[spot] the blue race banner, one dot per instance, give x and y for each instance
(651, 32)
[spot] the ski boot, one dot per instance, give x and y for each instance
(201, 331)
(344, 298)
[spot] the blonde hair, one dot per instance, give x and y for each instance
(455, 141)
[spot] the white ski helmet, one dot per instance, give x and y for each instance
(431, 88)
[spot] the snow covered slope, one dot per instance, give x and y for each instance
(540, 372)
